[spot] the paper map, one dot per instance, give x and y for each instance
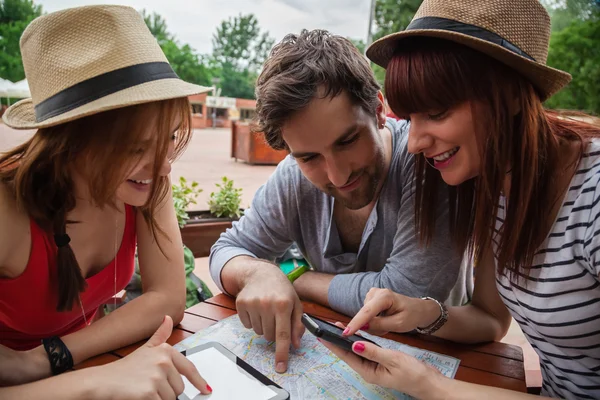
(313, 371)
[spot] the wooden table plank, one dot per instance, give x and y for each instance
(222, 300)
(193, 323)
(177, 336)
(480, 377)
(210, 311)
(96, 361)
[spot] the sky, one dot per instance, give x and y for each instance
(195, 21)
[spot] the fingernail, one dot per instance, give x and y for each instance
(280, 366)
(318, 339)
(346, 331)
(359, 347)
(208, 387)
(365, 327)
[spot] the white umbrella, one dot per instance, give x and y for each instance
(4, 85)
(19, 90)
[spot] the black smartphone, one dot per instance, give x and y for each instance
(331, 333)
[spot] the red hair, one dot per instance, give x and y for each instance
(38, 172)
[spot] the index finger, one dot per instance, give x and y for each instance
(187, 369)
(283, 333)
(366, 314)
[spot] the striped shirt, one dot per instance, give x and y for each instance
(558, 305)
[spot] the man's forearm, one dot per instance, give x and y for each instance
(237, 271)
(314, 286)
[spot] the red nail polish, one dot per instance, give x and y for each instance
(209, 388)
(346, 331)
(365, 327)
(359, 347)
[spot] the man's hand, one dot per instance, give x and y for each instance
(269, 304)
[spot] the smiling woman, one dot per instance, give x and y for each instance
(42, 173)
(88, 187)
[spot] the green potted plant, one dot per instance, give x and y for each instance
(202, 228)
(184, 194)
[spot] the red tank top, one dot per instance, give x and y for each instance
(28, 303)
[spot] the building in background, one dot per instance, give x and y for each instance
(209, 111)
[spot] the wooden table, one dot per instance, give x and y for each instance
(492, 364)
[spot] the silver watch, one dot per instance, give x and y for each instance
(438, 323)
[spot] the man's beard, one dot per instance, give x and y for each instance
(366, 192)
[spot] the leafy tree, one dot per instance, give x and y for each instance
(359, 44)
(394, 15)
(185, 61)
(239, 50)
(157, 26)
(240, 43)
(576, 49)
(15, 15)
(563, 12)
(391, 16)
(236, 83)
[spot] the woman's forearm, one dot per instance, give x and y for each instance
(131, 323)
(442, 388)
(470, 324)
(69, 386)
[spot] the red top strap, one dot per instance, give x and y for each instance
(28, 303)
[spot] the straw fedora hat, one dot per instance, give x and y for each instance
(515, 32)
(85, 60)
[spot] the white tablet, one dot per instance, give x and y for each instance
(229, 376)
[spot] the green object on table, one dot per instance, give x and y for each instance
(293, 268)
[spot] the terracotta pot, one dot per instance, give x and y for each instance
(202, 231)
(251, 147)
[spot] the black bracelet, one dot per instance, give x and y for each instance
(58, 354)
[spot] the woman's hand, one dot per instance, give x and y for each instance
(151, 372)
(385, 311)
(391, 369)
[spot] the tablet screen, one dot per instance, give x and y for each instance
(227, 380)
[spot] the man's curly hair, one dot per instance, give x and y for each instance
(300, 66)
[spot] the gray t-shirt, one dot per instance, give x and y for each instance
(288, 209)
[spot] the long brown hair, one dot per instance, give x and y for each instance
(520, 138)
(38, 172)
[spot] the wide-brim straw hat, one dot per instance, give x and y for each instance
(515, 32)
(86, 60)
